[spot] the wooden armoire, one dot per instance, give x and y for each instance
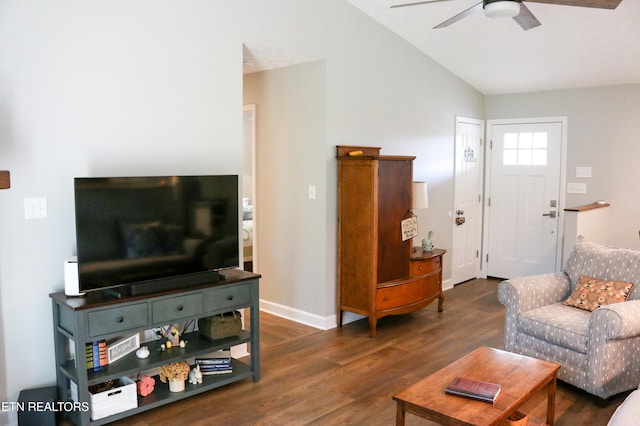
(374, 263)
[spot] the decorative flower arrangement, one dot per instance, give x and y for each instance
(175, 370)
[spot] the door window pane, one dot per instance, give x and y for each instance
(525, 149)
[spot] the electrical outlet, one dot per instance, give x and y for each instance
(576, 188)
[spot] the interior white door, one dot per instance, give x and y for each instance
(524, 198)
(467, 212)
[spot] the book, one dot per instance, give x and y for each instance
(207, 361)
(211, 371)
(474, 389)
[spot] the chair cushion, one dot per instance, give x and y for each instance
(557, 324)
(591, 293)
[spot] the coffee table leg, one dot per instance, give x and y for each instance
(551, 401)
(400, 414)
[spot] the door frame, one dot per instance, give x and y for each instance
(251, 109)
(487, 181)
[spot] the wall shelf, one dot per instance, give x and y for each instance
(5, 179)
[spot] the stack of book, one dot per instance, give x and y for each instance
(96, 355)
(218, 363)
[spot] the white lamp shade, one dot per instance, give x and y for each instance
(502, 9)
(420, 197)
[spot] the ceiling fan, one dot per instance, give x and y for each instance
(514, 9)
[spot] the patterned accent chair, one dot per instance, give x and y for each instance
(598, 351)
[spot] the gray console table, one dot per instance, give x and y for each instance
(96, 316)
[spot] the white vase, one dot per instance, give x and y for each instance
(176, 385)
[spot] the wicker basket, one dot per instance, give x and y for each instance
(221, 326)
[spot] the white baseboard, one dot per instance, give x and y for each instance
(447, 285)
(293, 314)
(316, 321)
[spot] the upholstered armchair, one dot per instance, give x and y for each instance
(599, 350)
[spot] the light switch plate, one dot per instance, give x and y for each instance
(576, 188)
(35, 208)
(583, 172)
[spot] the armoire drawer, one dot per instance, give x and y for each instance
(396, 296)
(114, 320)
(425, 266)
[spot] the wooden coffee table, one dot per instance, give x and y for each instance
(520, 376)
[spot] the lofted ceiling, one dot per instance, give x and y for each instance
(574, 47)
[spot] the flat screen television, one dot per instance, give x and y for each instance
(138, 235)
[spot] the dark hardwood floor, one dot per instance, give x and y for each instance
(341, 376)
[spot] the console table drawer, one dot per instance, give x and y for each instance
(228, 298)
(425, 266)
(119, 319)
(176, 308)
(401, 295)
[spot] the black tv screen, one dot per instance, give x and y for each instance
(155, 233)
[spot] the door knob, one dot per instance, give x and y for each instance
(460, 220)
(551, 214)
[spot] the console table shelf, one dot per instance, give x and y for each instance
(96, 317)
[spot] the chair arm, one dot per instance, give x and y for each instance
(618, 320)
(526, 293)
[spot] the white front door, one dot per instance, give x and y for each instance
(467, 211)
(523, 191)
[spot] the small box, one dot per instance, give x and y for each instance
(113, 401)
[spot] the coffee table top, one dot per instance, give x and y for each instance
(520, 377)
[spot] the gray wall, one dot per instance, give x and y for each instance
(138, 87)
(602, 133)
(290, 133)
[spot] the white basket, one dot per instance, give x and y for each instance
(114, 400)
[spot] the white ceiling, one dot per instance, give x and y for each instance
(574, 47)
(258, 58)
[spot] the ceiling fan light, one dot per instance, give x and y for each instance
(502, 9)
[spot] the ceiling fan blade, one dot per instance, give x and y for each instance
(600, 4)
(526, 19)
(459, 16)
(417, 3)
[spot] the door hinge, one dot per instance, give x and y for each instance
(479, 197)
(477, 253)
(491, 144)
(489, 202)
(487, 258)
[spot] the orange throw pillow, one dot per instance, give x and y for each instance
(591, 293)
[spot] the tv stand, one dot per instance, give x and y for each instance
(97, 316)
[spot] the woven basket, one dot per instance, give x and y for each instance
(221, 326)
